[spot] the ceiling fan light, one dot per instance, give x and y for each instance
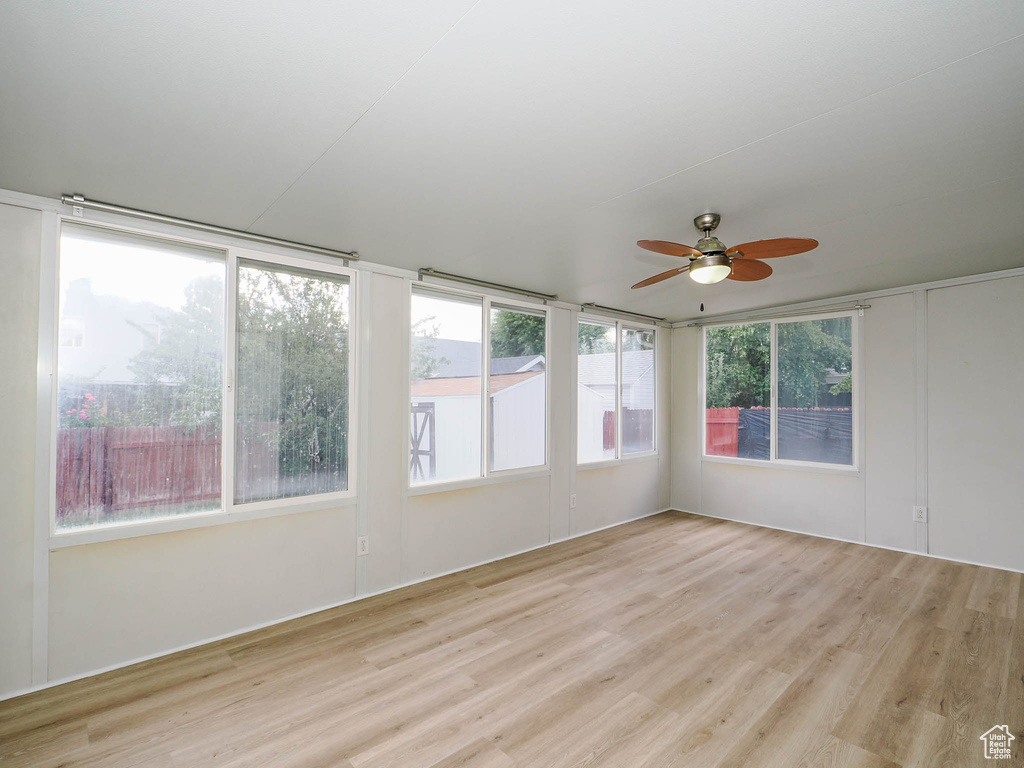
(711, 269)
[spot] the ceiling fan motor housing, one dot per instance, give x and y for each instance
(709, 245)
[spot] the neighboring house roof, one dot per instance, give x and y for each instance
(832, 377)
(521, 364)
(467, 385)
(599, 369)
(457, 358)
(462, 358)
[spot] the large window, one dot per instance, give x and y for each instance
(161, 413)
(815, 390)
(473, 413)
(616, 390)
(139, 378)
(517, 389)
(738, 368)
(781, 391)
(291, 406)
(638, 390)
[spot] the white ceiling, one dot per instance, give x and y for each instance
(533, 142)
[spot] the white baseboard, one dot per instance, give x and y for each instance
(347, 601)
(848, 541)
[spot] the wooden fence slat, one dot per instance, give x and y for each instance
(101, 470)
(722, 431)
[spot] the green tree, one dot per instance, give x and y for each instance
(425, 363)
(739, 366)
(739, 363)
(180, 368)
(843, 386)
(515, 334)
(593, 339)
(293, 375)
(809, 351)
(637, 341)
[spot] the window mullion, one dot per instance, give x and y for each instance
(485, 388)
(618, 389)
(230, 385)
(773, 358)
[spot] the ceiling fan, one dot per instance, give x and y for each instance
(712, 262)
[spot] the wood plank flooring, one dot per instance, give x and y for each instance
(671, 641)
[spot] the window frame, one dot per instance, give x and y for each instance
(229, 511)
(486, 476)
(856, 401)
(619, 325)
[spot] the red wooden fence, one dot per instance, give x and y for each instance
(105, 469)
(723, 431)
(608, 429)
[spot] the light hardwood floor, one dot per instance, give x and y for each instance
(672, 641)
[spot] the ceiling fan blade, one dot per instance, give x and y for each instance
(669, 249)
(773, 249)
(662, 276)
(748, 270)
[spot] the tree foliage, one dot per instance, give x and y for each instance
(637, 340)
(425, 362)
(181, 367)
(739, 366)
(809, 351)
(594, 339)
(739, 363)
(515, 334)
(293, 344)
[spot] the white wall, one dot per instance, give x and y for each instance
(388, 452)
(976, 422)
(889, 408)
(126, 599)
(450, 530)
(20, 232)
(110, 603)
(829, 505)
(605, 496)
(942, 427)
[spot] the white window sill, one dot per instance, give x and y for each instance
(237, 514)
(630, 459)
(791, 466)
(507, 476)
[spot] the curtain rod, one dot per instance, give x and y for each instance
(79, 202)
(430, 272)
(624, 313)
(773, 315)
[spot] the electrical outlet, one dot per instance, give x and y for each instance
(572, 501)
(920, 514)
(363, 545)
